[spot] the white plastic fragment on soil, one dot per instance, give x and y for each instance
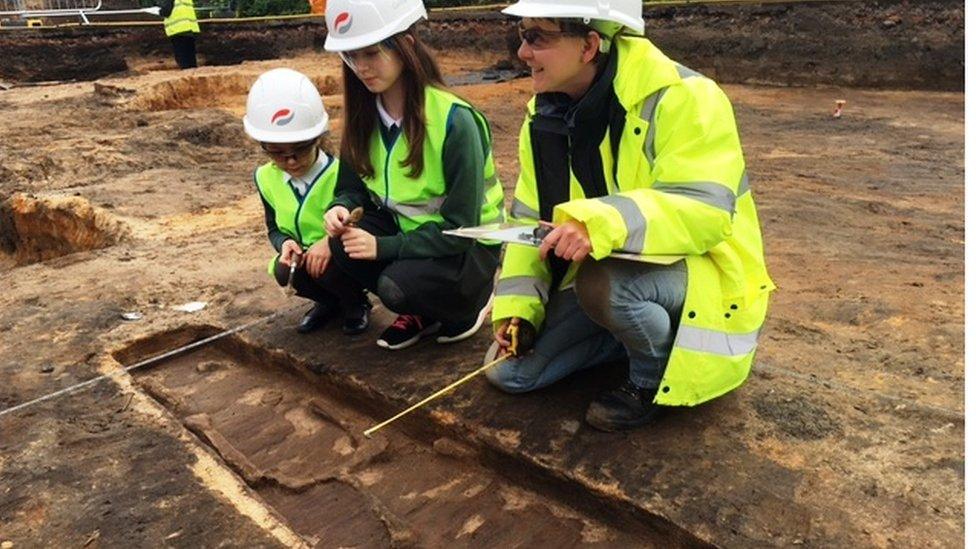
(190, 307)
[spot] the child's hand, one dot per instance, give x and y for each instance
(291, 253)
(317, 258)
(335, 220)
(359, 244)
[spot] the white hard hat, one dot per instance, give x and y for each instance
(355, 24)
(284, 106)
(626, 12)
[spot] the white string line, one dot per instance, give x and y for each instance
(953, 414)
(140, 364)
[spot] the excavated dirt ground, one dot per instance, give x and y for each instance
(849, 433)
(876, 43)
(298, 442)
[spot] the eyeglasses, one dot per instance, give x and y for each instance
(297, 152)
(540, 39)
(370, 55)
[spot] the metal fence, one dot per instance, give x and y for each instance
(49, 8)
(36, 9)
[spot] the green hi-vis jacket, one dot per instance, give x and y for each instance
(298, 217)
(415, 201)
(683, 190)
(183, 18)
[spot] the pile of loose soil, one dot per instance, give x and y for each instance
(902, 45)
(882, 44)
(198, 91)
(30, 56)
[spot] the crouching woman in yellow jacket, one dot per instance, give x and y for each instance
(624, 150)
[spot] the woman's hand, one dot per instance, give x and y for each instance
(335, 220)
(525, 334)
(291, 253)
(317, 258)
(501, 334)
(358, 243)
(570, 241)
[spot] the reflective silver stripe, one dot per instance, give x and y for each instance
(636, 224)
(743, 184)
(685, 72)
(713, 194)
(650, 105)
(526, 286)
(521, 209)
(416, 209)
(715, 342)
(647, 114)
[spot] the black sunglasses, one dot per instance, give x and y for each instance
(538, 39)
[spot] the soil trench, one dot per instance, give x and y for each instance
(36, 229)
(302, 450)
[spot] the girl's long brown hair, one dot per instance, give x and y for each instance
(419, 71)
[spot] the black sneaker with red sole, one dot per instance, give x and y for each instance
(405, 331)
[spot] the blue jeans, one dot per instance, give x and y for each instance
(618, 309)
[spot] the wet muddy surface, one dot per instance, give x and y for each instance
(304, 453)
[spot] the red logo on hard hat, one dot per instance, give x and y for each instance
(342, 22)
(282, 117)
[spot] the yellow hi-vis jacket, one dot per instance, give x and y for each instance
(678, 185)
(415, 201)
(299, 217)
(182, 19)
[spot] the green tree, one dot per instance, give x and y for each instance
(258, 8)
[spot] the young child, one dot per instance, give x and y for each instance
(285, 114)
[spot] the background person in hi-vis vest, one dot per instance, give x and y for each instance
(285, 114)
(623, 149)
(424, 163)
(181, 27)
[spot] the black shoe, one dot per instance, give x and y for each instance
(405, 331)
(357, 321)
(625, 407)
(456, 331)
(315, 318)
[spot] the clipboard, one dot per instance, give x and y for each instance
(532, 235)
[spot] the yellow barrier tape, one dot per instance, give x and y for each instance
(454, 9)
